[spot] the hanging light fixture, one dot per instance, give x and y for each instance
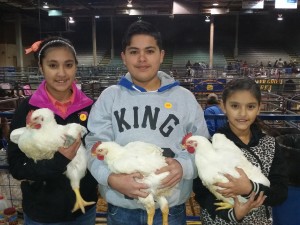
(215, 4)
(129, 4)
(45, 6)
(71, 20)
(279, 18)
(207, 19)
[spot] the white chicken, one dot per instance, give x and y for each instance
(139, 157)
(220, 157)
(42, 137)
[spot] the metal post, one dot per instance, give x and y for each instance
(112, 52)
(94, 41)
(236, 49)
(20, 61)
(211, 43)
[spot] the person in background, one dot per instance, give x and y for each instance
(242, 100)
(188, 64)
(4, 132)
(213, 108)
(269, 65)
(147, 105)
(47, 194)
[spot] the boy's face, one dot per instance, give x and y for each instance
(142, 59)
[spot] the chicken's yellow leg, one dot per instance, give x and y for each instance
(80, 203)
(165, 213)
(223, 205)
(150, 214)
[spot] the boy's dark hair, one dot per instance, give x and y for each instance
(141, 27)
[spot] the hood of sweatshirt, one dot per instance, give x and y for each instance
(167, 82)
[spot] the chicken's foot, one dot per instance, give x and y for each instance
(80, 203)
(223, 205)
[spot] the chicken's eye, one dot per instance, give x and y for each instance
(193, 143)
(190, 142)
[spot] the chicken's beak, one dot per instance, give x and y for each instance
(94, 148)
(33, 125)
(94, 151)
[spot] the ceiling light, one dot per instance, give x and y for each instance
(45, 6)
(279, 18)
(207, 19)
(129, 5)
(71, 20)
(215, 4)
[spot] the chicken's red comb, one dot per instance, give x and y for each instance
(28, 117)
(187, 136)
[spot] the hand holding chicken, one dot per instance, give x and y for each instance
(138, 163)
(219, 165)
(43, 137)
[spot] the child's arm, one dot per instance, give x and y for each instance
(278, 176)
(240, 210)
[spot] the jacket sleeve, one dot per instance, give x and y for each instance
(278, 176)
(196, 125)
(206, 201)
(20, 166)
(100, 127)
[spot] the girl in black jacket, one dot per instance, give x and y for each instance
(241, 104)
(47, 193)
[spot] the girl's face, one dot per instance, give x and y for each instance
(59, 69)
(241, 109)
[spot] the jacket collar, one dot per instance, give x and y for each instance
(256, 135)
(40, 99)
(167, 83)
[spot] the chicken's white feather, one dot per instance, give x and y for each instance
(139, 157)
(44, 142)
(222, 157)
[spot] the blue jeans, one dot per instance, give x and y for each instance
(122, 216)
(89, 218)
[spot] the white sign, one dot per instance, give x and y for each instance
(286, 4)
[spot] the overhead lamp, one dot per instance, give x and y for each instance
(279, 18)
(129, 4)
(71, 20)
(45, 6)
(215, 4)
(207, 19)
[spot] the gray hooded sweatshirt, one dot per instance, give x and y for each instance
(126, 112)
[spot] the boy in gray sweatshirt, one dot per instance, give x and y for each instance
(146, 105)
